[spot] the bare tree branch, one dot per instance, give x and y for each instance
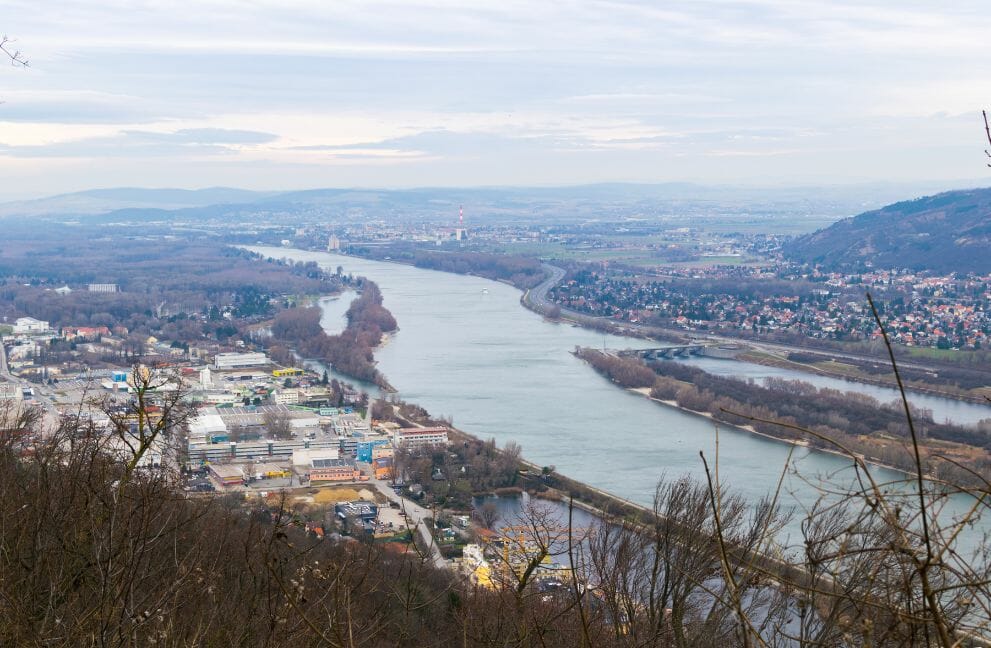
(16, 56)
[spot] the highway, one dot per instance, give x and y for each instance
(536, 298)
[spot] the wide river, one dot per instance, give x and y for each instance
(467, 349)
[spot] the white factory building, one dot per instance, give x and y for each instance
(236, 360)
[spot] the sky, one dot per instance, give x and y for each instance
(281, 94)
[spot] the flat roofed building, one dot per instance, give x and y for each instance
(28, 325)
(227, 475)
(102, 288)
(335, 470)
(207, 425)
(234, 360)
(383, 468)
(383, 451)
(364, 510)
(420, 437)
(306, 456)
(199, 452)
(286, 396)
(269, 471)
(367, 446)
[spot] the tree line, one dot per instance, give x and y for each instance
(349, 352)
(522, 272)
(183, 290)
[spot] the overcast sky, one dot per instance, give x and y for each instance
(290, 94)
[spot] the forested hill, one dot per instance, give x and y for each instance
(948, 232)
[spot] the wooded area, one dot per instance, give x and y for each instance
(522, 272)
(350, 352)
(181, 290)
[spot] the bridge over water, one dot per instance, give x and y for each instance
(708, 349)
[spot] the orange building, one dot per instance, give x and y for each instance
(383, 468)
(335, 470)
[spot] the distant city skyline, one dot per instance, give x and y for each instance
(286, 95)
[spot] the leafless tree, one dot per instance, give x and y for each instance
(278, 424)
(487, 514)
(16, 57)
(885, 561)
(148, 424)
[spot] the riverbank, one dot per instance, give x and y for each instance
(350, 352)
(534, 299)
(800, 443)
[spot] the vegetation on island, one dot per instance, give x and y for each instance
(778, 407)
(351, 351)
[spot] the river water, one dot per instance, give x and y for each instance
(333, 309)
(943, 409)
(467, 349)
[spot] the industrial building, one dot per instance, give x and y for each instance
(420, 437)
(10, 391)
(365, 448)
(236, 360)
(226, 475)
(357, 516)
(335, 470)
(199, 453)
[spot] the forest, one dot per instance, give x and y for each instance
(183, 290)
(351, 351)
(452, 476)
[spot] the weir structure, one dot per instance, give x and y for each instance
(707, 349)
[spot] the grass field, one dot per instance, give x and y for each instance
(925, 353)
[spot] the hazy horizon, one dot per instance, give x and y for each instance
(911, 189)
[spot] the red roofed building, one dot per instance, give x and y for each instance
(420, 437)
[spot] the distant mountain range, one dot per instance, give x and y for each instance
(585, 201)
(101, 201)
(948, 232)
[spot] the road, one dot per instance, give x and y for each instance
(770, 347)
(4, 373)
(416, 515)
(536, 298)
(51, 416)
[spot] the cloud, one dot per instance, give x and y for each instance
(205, 136)
(138, 143)
(526, 92)
(75, 107)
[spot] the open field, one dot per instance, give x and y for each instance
(333, 494)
